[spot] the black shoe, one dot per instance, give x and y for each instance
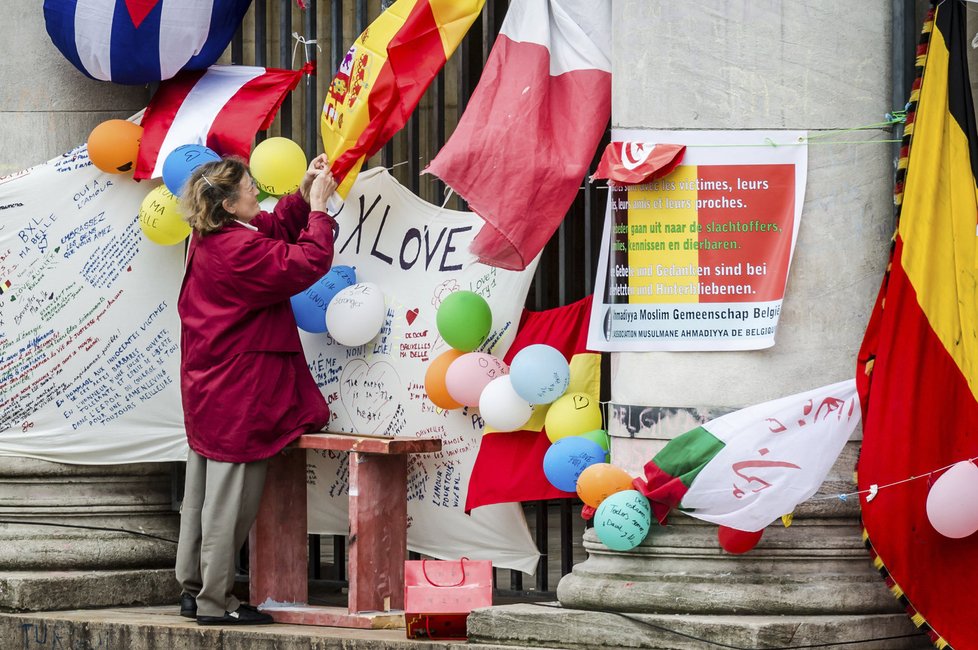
(244, 615)
(188, 606)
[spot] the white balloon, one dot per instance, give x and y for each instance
(356, 314)
(951, 506)
(268, 203)
(501, 407)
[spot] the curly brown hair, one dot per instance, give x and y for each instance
(202, 200)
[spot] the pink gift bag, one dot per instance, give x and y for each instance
(439, 594)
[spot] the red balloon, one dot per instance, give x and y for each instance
(737, 541)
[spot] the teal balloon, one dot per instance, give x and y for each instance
(623, 520)
(464, 320)
(309, 306)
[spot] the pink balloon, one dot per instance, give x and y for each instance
(470, 373)
(951, 505)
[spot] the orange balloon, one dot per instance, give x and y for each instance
(434, 380)
(113, 146)
(599, 481)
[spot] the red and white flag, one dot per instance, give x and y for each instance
(630, 163)
(524, 143)
(222, 107)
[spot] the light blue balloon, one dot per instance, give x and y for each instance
(309, 306)
(540, 373)
(181, 163)
(623, 520)
(567, 458)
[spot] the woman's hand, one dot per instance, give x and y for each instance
(322, 188)
(318, 164)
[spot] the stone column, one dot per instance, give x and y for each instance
(47, 107)
(63, 539)
(742, 64)
(766, 65)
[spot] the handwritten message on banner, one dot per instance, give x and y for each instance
(89, 334)
(699, 259)
(417, 254)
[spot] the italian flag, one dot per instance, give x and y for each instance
(383, 76)
(748, 468)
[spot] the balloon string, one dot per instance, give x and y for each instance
(306, 42)
(874, 488)
(870, 492)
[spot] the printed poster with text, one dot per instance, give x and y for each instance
(699, 259)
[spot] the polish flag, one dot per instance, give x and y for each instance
(222, 107)
(524, 143)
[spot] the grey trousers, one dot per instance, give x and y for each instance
(220, 503)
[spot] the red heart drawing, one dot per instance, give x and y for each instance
(411, 315)
(128, 269)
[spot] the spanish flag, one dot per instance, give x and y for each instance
(383, 76)
(918, 366)
(509, 466)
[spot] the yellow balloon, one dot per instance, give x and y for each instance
(160, 218)
(571, 415)
(278, 165)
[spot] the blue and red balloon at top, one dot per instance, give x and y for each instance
(142, 41)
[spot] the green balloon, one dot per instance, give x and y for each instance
(262, 195)
(464, 320)
(599, 436)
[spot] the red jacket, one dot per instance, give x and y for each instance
(247, 391)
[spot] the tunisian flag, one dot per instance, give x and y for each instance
(509, 466)
(383, 76)
(918, 366)
(630, 163)
(529, 132)
(222, 107)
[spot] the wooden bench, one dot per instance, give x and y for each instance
(378, 533)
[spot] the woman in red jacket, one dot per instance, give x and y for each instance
(247, 391)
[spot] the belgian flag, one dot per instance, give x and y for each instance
(918, 366)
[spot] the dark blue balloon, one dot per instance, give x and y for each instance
(567, 458)
(309, 306)
(182, 162)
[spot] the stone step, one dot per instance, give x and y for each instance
(148, 628)
(574, 629)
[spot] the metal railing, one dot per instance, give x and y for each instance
(566, 269)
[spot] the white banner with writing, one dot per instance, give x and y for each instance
(89, 332)
(89, 335)
(417, 253)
